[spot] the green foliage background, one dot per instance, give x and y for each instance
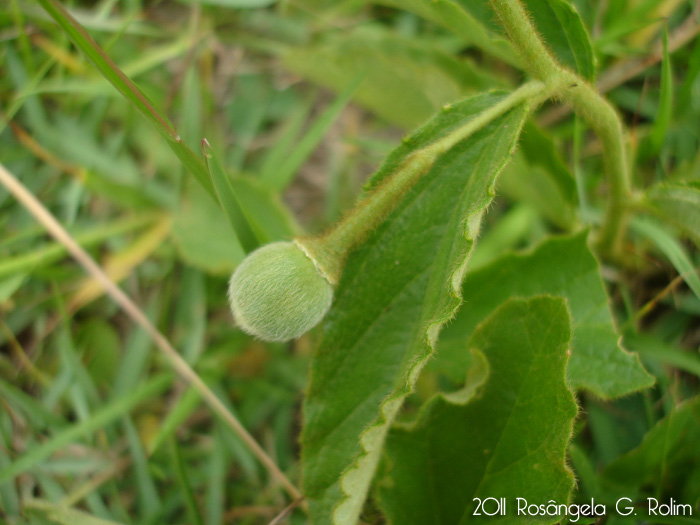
(566, 374)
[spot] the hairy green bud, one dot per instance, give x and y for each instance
(278, 293)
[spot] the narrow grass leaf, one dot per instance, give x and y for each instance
(203, 236)
(149, 501)
(588, 484)
(10, 285)
(234, 4)
(405, 81)
(39, 417)
(265, 209)
(99, 419)
(665, 111)
(121, 264)
(183, 481)
(216, 480)
(128, 89)
(61, 515)
(279, 179)
(190, 321)
(671, 248)
(463, 22)
(184, 407)
(662, 459)
(679, 204)
(23, 92)
(133, 364)
(650, 347)
(692, 71)
(248, 236)
(507, 441)
(513, 228)
(9, 495)
(395, 293)
(284, 142)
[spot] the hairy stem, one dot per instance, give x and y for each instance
(330, 250)
(599, 114)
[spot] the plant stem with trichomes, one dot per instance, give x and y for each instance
(599, 114)
(330, 250)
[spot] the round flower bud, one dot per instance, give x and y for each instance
(277, 293)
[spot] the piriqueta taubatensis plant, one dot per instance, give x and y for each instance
(284, 289)
(387, 279)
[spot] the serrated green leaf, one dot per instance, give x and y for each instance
(679, 204)
(563, 31)
(564, 267)
(404, 81)
(509, 441)
(396, 292)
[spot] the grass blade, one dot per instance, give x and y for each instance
(186, 404)
(249, 237)
(83, 41)
(98, 420)
(185, 488)
(61, 515)
(47, 220)
(150, 505)
(671, 248)
(663, 117)
(282, 176)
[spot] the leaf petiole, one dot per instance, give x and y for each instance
(330, 250)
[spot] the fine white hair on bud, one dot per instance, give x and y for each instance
(277, 293)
